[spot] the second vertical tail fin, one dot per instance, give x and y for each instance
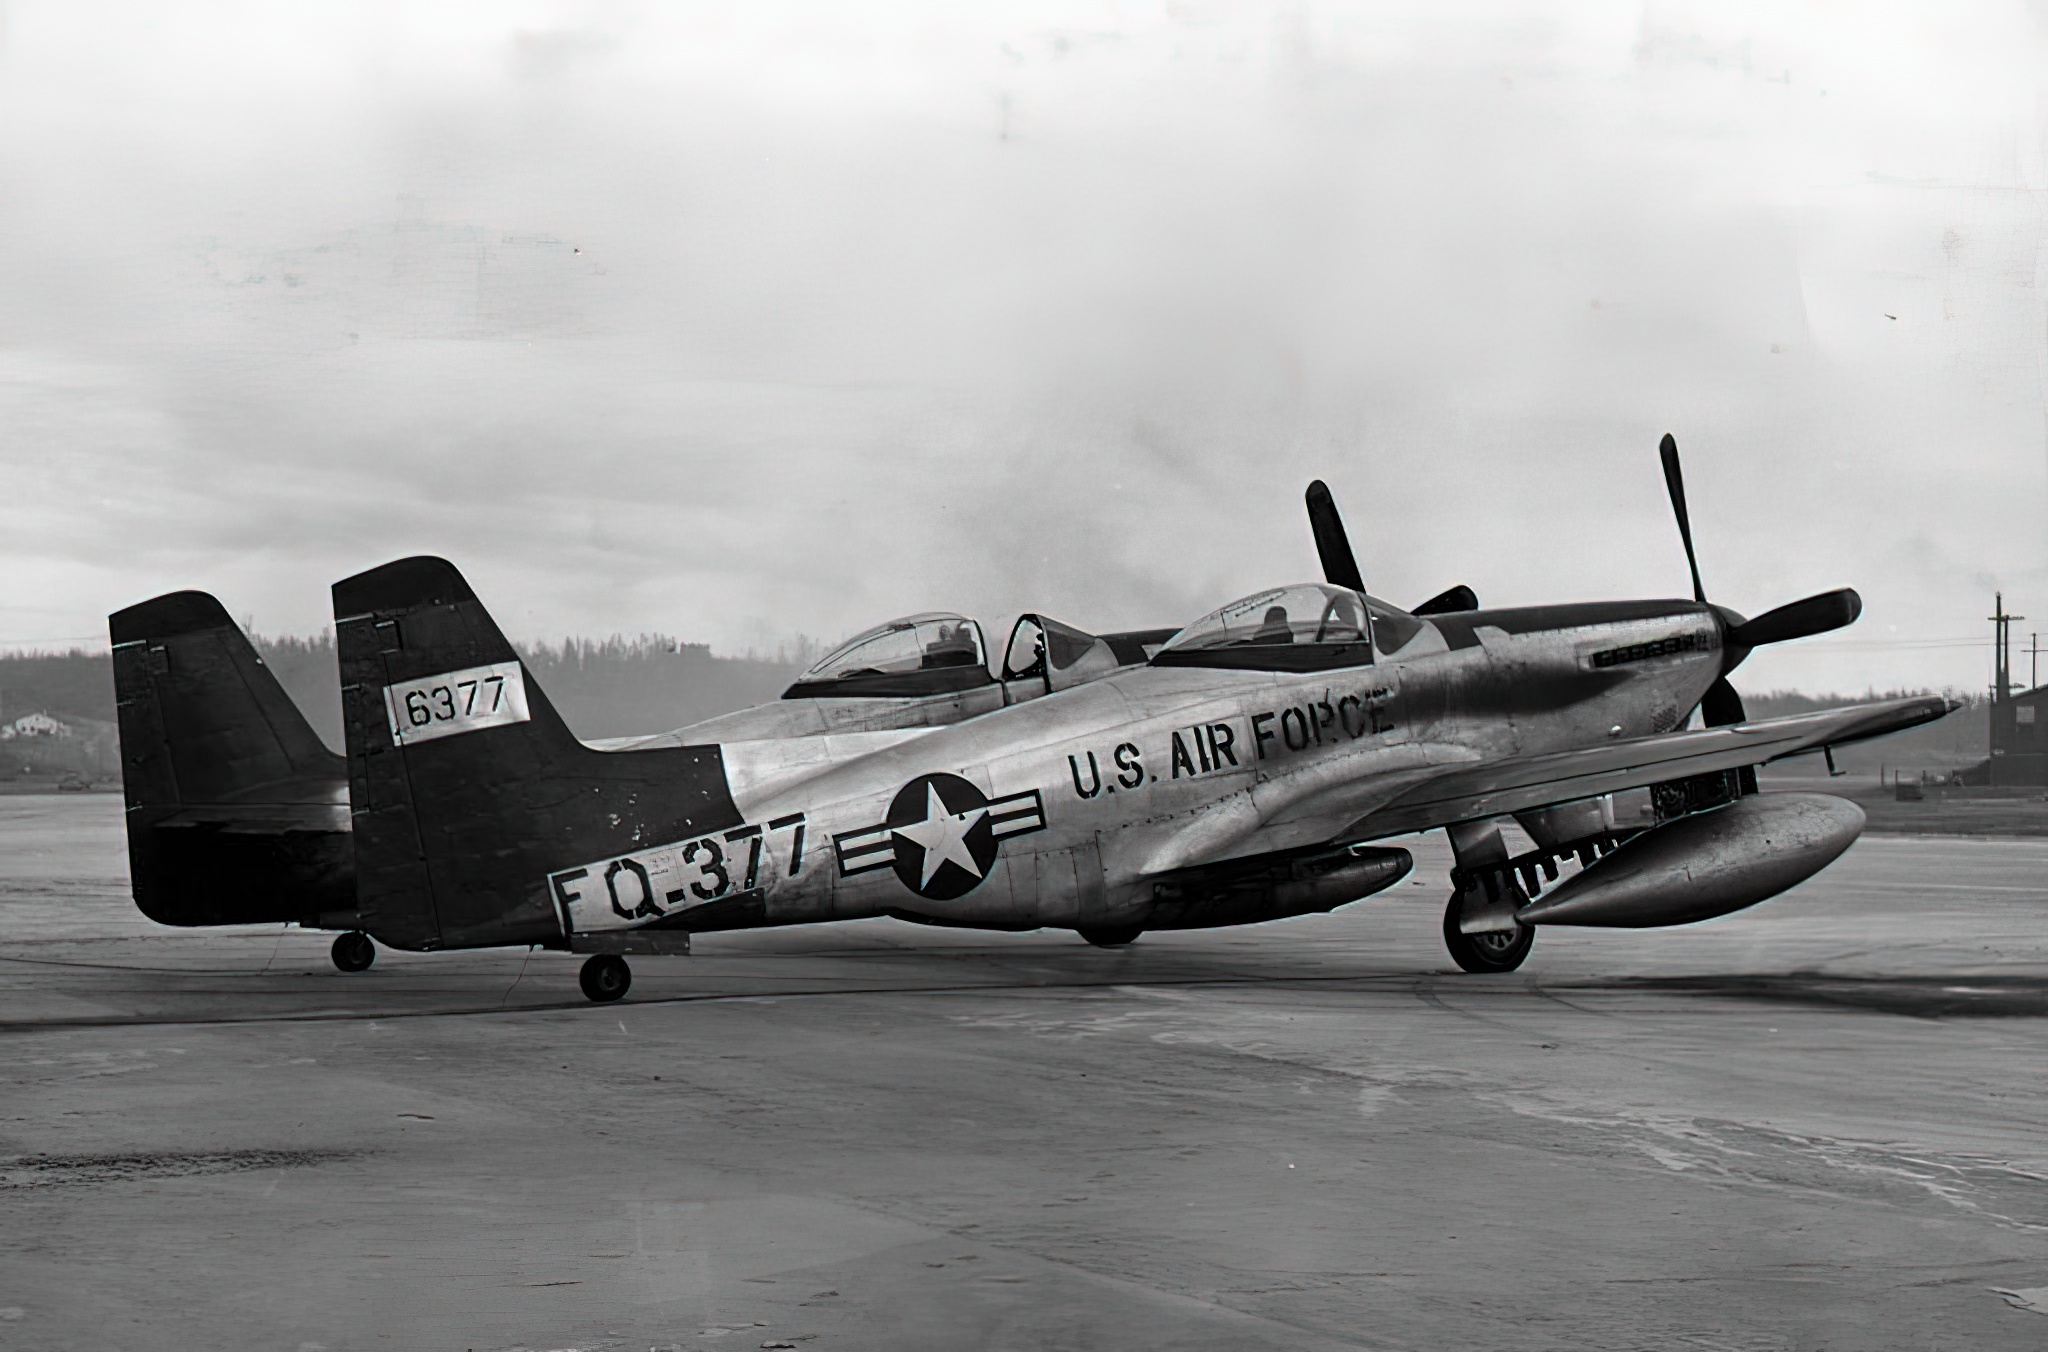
(237, 814)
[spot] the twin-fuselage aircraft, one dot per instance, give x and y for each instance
(1246, 767)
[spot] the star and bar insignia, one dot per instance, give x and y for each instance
(940, 836)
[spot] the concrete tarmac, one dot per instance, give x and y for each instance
(1818, 1124)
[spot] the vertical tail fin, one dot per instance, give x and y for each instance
(466, 788)
(235, 808)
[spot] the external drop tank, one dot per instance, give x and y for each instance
(1705, 864)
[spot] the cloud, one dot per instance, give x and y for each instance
(745, 321)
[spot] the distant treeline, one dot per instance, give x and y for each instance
(74, 684)
(615, 687)
(618, 687)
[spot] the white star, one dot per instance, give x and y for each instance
(942, 835)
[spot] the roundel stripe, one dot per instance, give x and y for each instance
(940, 835)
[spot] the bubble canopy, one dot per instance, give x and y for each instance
(929, 654)
(1306, 627)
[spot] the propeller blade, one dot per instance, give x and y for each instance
(1339, 566)
(1674, 481)
(1800, 619)
(1460, 597)
(1722, 705)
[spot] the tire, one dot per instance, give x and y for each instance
(1480, 953)
(1111, 936)
(605, 977)
(353, 951)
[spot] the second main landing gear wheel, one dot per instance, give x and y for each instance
(1489, 950)
(353, 952)
(605, 977)
(1111, 936)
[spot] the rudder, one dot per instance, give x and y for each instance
(466, 788)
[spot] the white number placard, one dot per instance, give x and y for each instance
(456, 701)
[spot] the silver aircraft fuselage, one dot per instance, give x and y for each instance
(1064, 810)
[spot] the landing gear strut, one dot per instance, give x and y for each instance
(1498, 950)
(605, 977)
(1111, 936)
(353, 952)
(1479, 925)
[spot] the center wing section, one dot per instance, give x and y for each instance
(1495, 788)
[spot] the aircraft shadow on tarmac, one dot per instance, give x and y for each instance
(289, 991)
(1918, 997)
(780, 967)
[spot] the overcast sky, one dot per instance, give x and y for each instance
(739, 322)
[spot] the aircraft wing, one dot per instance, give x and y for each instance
(1493, 788)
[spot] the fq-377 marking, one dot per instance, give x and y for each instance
(657, 883)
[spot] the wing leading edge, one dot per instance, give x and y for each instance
(1495, 788)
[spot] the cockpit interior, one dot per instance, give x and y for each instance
(941, 653)
(1311, 626)
(935, 653)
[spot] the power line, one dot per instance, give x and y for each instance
(1919, 643)
(72, 640)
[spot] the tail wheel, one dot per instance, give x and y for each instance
(1491, 951)
(605, 977)
(353, 952)
(1111, 936)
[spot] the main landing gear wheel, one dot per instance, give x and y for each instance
(353, 952)
(1111, 936)
(605, 977)
(1492, 951)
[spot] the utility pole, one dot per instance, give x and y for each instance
(2001, 687)
(2034, 664)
